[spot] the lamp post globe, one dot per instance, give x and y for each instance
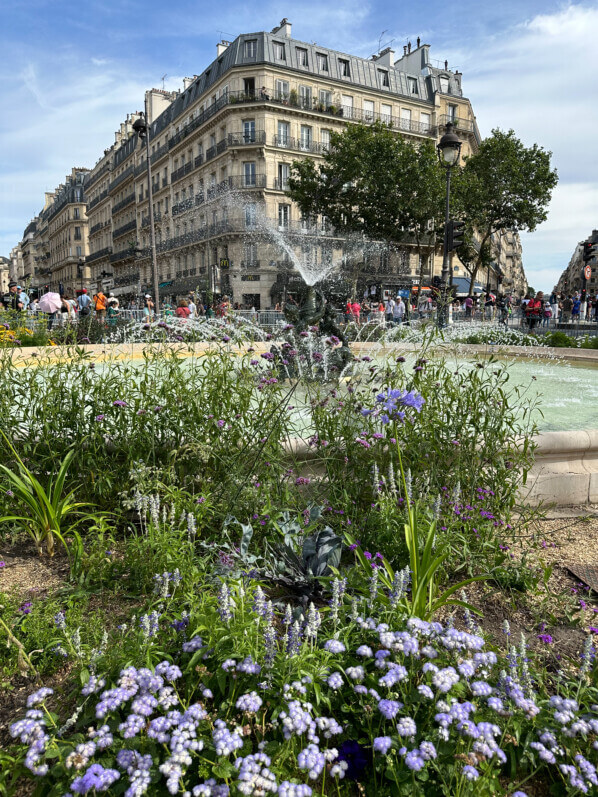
(449, 147)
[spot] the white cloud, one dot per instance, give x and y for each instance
(539, 79)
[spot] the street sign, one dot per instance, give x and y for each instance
(587, 272)
(224, 262)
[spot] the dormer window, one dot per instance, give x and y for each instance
(384, 79)
(444, 84)
(302, 57)
(279, 51)
(344, 68)
(250, 48)
(322, 62)
(412, 83)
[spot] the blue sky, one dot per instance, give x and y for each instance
(71, 72)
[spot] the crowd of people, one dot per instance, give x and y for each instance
(532, 311)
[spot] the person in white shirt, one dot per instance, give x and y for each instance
(390, 305)
(192, 307)
(398, 312)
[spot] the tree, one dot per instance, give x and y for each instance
(503, 186)
(376, 182)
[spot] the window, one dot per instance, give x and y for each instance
(325, 99)
(452, 112)
(405, 119)
(368, 111)
(305, 96)
(283, 176)
(386, 113)
(302, 57)
(76, 213)
(284, 217)
(248, 131)
(425, 120)
(250, 48)
(344, 69)
(250, 255)
(306, 137)
(279, 51)
(250, 214)
(384, 79)
(412, 83)
(282, 89)
(444, 84)
(284, 130)
(249, 173)
(77, 233)
(78, 251)
(347, 103)
(322, 61)
(325, 139)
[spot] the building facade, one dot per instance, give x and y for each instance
(571, 278)
(4, 276)
(221, 153)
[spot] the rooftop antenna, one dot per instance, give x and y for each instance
(163, 78)
(380, 39)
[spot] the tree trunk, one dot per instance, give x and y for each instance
(478, 262)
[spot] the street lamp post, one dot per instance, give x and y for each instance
(449, 149)
(80, 266)
(141, 126)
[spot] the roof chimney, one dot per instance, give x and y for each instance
(386, 57)
(187, 81)
(284, 29)
(220, 48)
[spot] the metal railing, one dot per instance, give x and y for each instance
(181, 172)
(131, 225)
(124, 254)
(89, 181)
(97, 255)
(242, 139)
(128, 172)
(123, 203)
(97, 199)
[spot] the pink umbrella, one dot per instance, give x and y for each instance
(50, 302)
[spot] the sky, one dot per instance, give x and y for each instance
(70, 73)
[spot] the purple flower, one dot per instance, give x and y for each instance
(546, 638)
(26, 608)
(95, 779)
(100, 418)
(220, 423)
(382, 744)
(225, 339)
(267, 355)
(334, 646)
(414, 760)
(389, 708)
(470, 772)
(119, 403)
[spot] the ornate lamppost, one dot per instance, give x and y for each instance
(449, 150)
(141, 127)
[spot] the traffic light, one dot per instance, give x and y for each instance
(456, 233)
(588, 251)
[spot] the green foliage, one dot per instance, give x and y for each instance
(375, 182)
(503, 186)
(48, 513)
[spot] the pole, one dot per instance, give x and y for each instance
(150, 196)
(442, 315)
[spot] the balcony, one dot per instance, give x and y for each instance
(243, 139)
(128, 172)
(131, 225)
(126, 279)
(98, 227)
(286, 142)
(89, 181)
(464, 125)
(97, 200)
(281, 185)
(250, 265)
(182, 207)
(145, 221)
(125, 254)
(159, 153)
(240, 181)
(123, 203)
(181, 172)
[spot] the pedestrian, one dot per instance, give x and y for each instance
(100, 305)
(84, 303)
(348, 312)
(399, 311)
(546, 314)
(112, 311)
(576, 309)
(192, 307)
(468, 308)
(567, 309)
(554, 306)
(532, 310)
(183, 310)
(381, 310)
(148, 308)
(356, 311)
(389, 308)
(14, 298)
